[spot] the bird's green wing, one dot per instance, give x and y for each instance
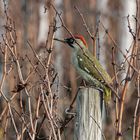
(92, 66)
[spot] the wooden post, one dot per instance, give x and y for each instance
(88, 125)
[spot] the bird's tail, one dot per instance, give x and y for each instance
(107, 99)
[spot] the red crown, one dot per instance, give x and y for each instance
(82, 39)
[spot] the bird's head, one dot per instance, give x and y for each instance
(77, 42)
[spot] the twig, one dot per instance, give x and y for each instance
(138, 129)
(48, 113)
(136, 108)
(85, 25)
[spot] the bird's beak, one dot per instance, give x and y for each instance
(63, 41)
(66, 40)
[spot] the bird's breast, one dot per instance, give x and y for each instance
(84, 73)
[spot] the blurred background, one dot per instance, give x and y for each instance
(31, 21)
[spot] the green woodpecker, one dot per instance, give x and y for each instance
(88, 66)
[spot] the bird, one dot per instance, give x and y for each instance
(88, 66)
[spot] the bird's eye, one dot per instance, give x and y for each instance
(71, 40)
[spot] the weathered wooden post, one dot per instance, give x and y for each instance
(88, 125)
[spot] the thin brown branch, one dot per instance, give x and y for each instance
(138, 129)
(136, 108)
(48, 113)
(84, 23)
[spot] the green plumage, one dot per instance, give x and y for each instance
(93, 65)
(94, 68)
